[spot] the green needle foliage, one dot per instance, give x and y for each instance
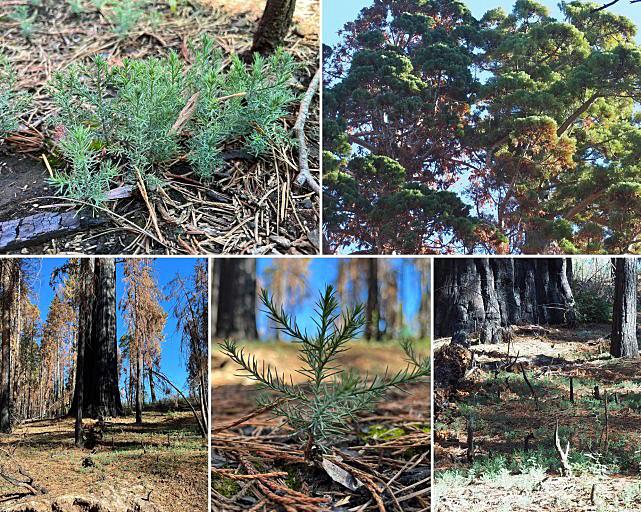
(130, 112)
(125, 15)
(91, 175)
(12, 103)
(530, 121)
(256, 98)
(320, 410)
(25, 19)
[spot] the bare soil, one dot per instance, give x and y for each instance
(160, 465)
(505, 412)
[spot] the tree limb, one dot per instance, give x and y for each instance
(304, 175)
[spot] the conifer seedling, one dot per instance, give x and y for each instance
(320, 409)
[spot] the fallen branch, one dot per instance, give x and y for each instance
(201, 424)
(304, 175)
(29, 484)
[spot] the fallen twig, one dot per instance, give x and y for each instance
(304, 175)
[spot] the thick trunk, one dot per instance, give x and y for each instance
(101, 389)
(5, 368)
(84, 329)
(624, 314)
(273, 26)
(236, 316)
(482, 297)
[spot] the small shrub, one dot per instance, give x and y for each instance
(320, 410)
(12, 103)
(89, 177)
(245, 103)
(592, 307)
(76, 6)
(26, 20)
(131, 109)
(125, 15)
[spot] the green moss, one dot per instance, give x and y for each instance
(225, 486)
(383, 433)
(293, 481)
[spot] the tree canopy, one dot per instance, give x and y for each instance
(516, 132)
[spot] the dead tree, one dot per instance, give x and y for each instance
(624, 310)
(566, 469)
(484, 296)
(273, 26)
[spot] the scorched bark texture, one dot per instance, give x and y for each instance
(624, 311)
(483, 297)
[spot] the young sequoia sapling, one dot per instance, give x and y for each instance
(12, 103)
(320, 409)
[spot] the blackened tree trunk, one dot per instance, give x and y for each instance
(139, 385)
(482, 297)
(624, 311)
(8, 280)
(424, 311)
(152, 389)
(372, 312)
(214, 294)
(273, 26)
(85, 310)
(100, 375)
(236, 316)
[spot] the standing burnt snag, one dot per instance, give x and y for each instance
(273, 26)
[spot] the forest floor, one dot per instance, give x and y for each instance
(255, 209)
(159, 466)
(514, 465)
(388, 449)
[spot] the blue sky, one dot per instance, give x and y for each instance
(337, 12)
(324, 271)
(172, 360)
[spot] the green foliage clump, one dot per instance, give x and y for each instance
(125, 15)
(76, 6)
(89, 176)
(592, 306)
(131, 112)
(12, 103)
(320, 410)
(25, 19)
(246, 102)
(372, 203)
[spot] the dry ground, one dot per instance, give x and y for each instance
(506, 477)
(159, 466)
(393, 438)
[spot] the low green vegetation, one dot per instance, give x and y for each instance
(12, 103)
(128, 120)
(25, 18)
(320, 410)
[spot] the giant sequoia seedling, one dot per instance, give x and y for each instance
(12, 103)
(149, 112)
(320, 409)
